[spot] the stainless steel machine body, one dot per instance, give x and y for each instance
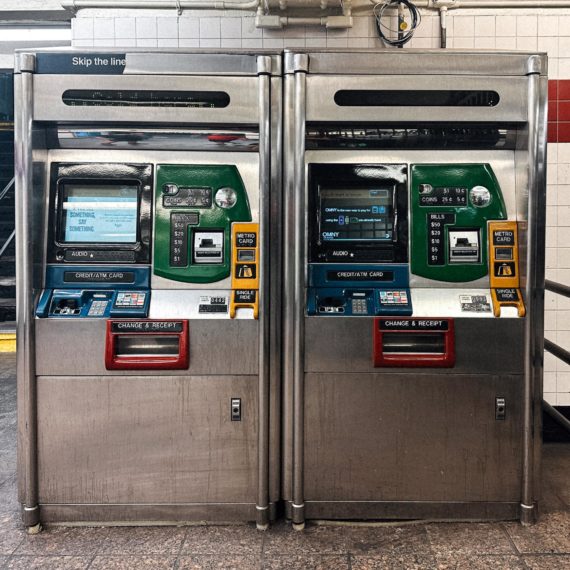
(148, 288)
(405, 173)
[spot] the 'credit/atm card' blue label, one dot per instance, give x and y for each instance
(351, 275)
(95, 277)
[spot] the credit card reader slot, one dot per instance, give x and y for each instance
(66, 307)
(332, 305)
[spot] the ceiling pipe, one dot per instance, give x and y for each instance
(303, 4)
(278, 22)
(511, 4)
(362, 5)
(75, 5)
(357, 5)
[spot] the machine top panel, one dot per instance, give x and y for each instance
(170, 99)
(407, 98)
(415, 62)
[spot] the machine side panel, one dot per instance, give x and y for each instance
(146, 439)
(230, 348)
(423, 437)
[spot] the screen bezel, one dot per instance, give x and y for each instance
(358, 177)
(100, 174)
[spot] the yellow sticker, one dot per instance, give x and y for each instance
(403, 26)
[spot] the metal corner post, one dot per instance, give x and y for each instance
(27, 391)
(534, 293)
(276, 299)
(298, 507)
(262, 506)
(288, 313)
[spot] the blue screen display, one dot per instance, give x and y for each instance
(100, 213)
(355, 214)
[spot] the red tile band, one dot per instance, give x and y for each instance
(552, 132)
(553, 90)
(563, 132)
(563, 89)
(559, 110)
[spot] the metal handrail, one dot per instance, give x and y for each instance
(7, 243)
(6, 188)
(558, 352)
(557, 288)
(11, 237)
(556, 415)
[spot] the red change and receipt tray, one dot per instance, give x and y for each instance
(146, 344)
(414, 342)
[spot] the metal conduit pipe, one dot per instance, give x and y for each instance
(75, 5)
(361, 5)
(509, 4)
(357, 5)
(314, 4)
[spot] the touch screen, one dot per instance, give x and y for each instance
(353, 214)
(99, 213)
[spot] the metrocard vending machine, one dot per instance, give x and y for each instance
(413, 279)
(147, 354)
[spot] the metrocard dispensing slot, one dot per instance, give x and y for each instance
(147, 345)
(412, 343)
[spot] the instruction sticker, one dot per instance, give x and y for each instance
(475, 303)
(213, 304)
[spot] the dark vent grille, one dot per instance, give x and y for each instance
(136, 98)
(420, 98)
(432, 137)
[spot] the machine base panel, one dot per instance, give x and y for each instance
(142, 514)
(407, 510)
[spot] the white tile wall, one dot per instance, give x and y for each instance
(538, 29)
